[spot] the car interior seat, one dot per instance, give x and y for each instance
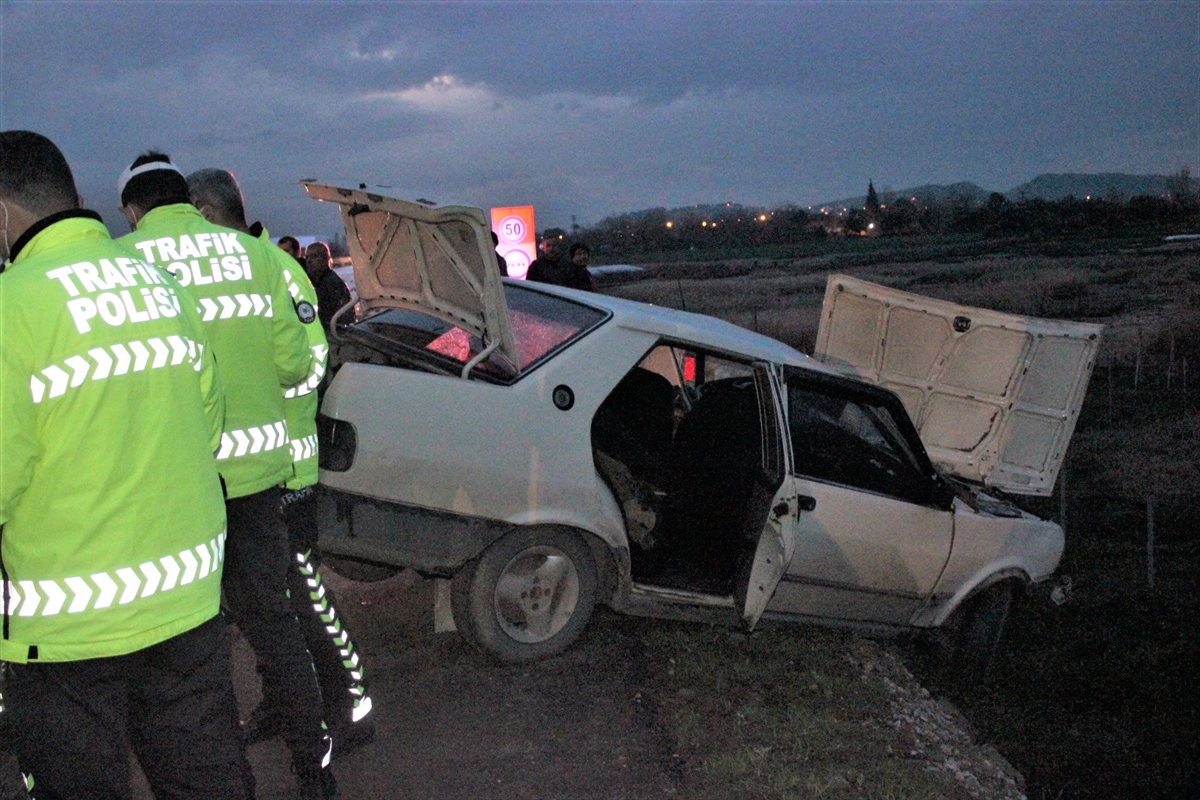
(714, 464)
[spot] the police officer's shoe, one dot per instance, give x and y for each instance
(262, 724)
(315, 783)
(350, 736)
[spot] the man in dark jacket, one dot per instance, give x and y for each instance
(549, 268)
(332, 293)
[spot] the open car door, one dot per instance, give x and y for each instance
(773, 497)
(435, 260)
(994, 396)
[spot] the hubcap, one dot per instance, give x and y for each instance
(536, 594)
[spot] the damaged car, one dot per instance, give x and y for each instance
(541, 450)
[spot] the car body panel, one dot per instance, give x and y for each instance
(449, 444)
(994, 396)
(431, 541)
(987, 546)
(863, 556)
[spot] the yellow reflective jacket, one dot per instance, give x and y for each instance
(112, 524)
(259, 342)
(300, 401)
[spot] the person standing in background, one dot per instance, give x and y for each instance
(550, 268)
(332, 292)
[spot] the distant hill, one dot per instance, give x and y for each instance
(1048, 186)
(1102, 185)
(930, 193)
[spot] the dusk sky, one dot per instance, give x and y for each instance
(594, 109)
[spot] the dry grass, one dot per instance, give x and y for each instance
(791, 713)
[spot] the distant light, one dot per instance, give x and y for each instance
(762, 217)
(870, 225)
(704, 224)
(670, 224)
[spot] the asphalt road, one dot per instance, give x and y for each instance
(451, 723)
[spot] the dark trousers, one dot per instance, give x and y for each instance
(256, 590)
(339, 670)
(71, 722)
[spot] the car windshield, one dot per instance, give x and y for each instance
(541, 325)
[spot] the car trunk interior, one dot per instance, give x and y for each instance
(679, 442)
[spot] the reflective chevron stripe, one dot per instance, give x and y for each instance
(293, 287)
(25, 597)
(333, 627)
(235, 444)
(111, 362)
(304, 448)
(228, 306)
(320, 360)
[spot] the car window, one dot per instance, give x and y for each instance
(852, 441)
(541, 324)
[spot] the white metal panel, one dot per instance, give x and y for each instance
(994, 396)
(863, 556)
(772, 555)
(474, 448)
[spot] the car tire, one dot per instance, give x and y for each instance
(361, 571)
(528, 596)
(977, 638)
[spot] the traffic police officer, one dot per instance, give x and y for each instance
(339, 670)
(112, 525)
(262, 347)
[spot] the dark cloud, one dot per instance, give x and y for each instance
(599, 108)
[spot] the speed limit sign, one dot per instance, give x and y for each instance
(514, 228)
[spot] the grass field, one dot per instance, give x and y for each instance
(1093, 699)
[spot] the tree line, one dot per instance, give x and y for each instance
(733, 226)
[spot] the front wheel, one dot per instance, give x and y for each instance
(528, 596)
(978, 637)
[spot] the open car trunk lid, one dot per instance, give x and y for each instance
(994, 396)
(434, 260)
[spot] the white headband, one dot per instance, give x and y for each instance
(150, 166)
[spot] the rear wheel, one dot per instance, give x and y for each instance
(528, 596)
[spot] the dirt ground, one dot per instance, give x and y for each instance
(452, 723)
(603, 719)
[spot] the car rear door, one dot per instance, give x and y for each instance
(773, 499)
(875, 527)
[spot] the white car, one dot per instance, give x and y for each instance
(549, 449)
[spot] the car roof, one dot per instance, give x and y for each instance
(685, 326)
